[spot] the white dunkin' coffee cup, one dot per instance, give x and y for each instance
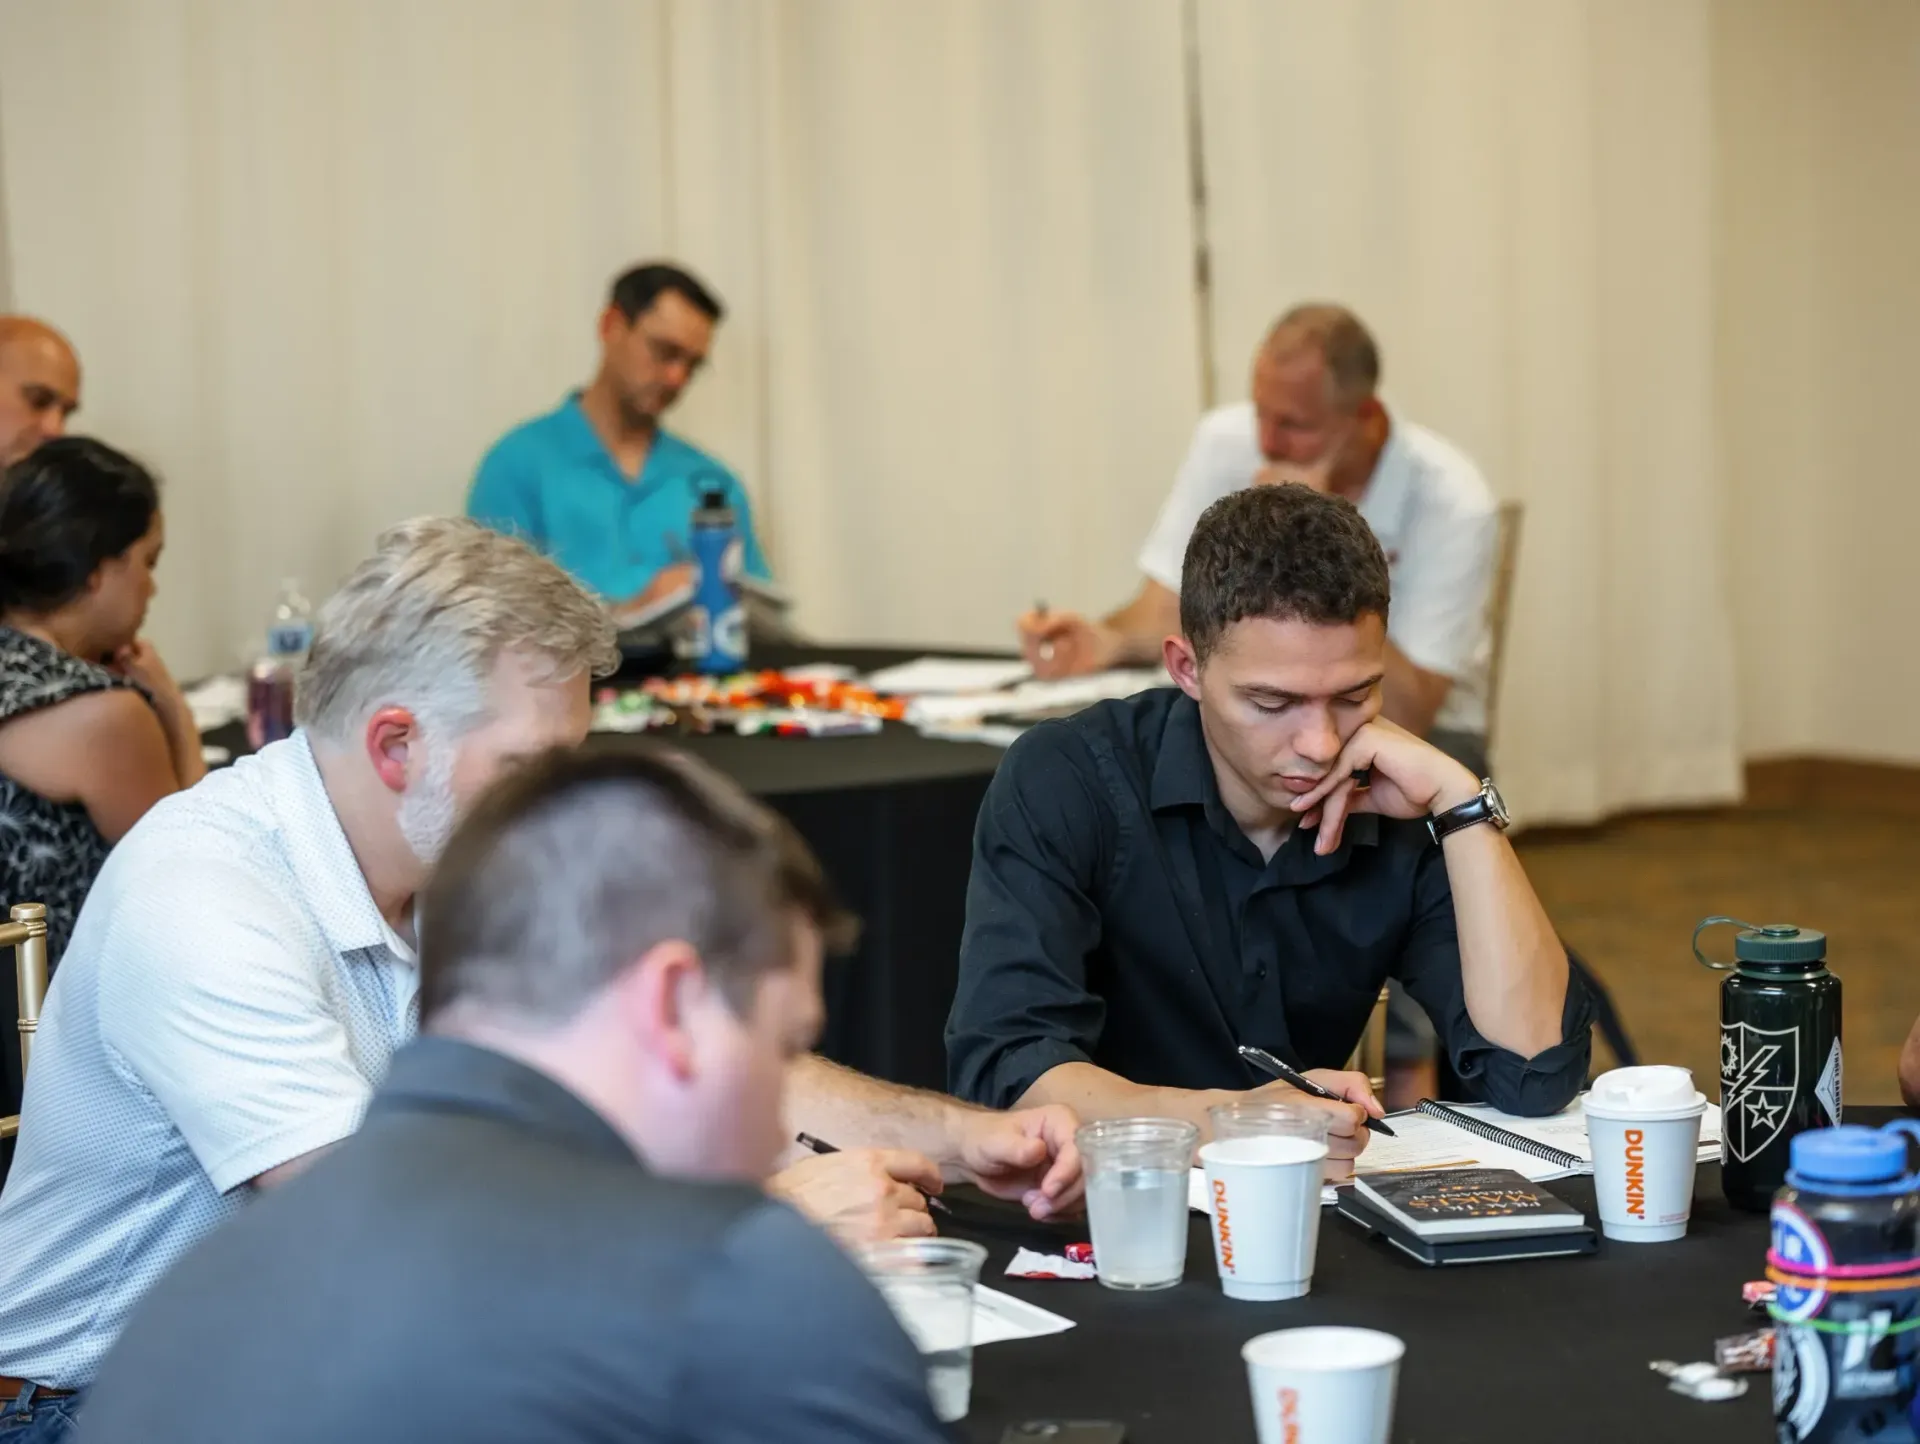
(1323, 1385)
(1264, 1194)
(1644, 1127)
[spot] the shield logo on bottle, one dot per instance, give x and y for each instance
(1759, 1075)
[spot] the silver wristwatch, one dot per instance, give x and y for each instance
(1489, 806)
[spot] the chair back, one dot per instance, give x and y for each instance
(1506, 557)
(26, 931)
(1370, 1055)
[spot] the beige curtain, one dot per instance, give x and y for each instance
(1645, 259)
(1818, 201)
(316, 254)
(1517, 195)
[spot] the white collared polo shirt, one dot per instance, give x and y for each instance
(1435, 518)
(229, 1001)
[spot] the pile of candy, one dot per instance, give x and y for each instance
(811, 705)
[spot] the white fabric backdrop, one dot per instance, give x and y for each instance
(1517, 197)
(318, 254)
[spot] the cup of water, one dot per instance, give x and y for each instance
(1137, 1171)
(929, 1282)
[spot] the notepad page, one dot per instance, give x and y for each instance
(1567, 1129)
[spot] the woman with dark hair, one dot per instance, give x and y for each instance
(93, 728)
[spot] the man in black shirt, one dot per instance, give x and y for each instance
(1247, 859)
(550, 1225)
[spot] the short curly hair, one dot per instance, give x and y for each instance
(1286, 552)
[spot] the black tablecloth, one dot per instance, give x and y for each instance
(891, 818)
(1534, 1350)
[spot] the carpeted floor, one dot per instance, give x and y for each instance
(1626, 896)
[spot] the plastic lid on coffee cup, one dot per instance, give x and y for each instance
(1647, 1093)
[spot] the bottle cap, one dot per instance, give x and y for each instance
(1849, 1154)
(1779, 943)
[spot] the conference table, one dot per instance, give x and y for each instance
(1536, 1349)
(890, 817)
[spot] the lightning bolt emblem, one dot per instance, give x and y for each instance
(1747, 1072)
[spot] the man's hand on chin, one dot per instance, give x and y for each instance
(1028, 1155)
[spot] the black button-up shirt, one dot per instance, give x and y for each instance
(1117, 915)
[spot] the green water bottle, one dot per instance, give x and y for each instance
(1779, 1052)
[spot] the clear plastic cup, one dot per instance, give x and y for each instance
(1264, 1170)
(1323, 1385)
(1137, 1171)
(929, 1284)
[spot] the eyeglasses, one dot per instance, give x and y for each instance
(671, 353)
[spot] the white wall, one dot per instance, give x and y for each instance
(1817, 281)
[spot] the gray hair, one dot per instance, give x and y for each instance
(1343, 341)
(422, 621)
(573, 866)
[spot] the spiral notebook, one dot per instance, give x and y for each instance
(1451, 1135)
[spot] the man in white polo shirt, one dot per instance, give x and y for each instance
(1315, 418)
(244, 967)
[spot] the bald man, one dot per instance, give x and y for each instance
(39, 385)
(1314, 418)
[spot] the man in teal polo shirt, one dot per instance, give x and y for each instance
(598, 484)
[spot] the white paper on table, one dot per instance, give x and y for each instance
(217, 701)
(1427, 1142)
(1197, 1200)
(998, 1316)
(948, 674)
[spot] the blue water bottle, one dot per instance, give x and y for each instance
(1846, 1262)
(719, 621)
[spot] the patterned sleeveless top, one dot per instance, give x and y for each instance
(50, 852)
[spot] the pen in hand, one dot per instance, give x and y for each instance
(820, 1145)
(1045, 650)
(1267, 1063)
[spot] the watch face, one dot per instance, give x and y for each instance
(1496, 804)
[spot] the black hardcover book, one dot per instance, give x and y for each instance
(1573, 1237)
(1456, 1203)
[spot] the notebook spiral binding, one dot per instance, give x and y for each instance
(1494, 1133)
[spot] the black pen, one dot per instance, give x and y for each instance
(1265, 1061)
(820, 1145)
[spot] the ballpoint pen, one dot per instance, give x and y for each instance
(1266, 1062)
(819, 1145)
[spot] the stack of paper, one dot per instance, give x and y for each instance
(1425, 1141)
(925, 675)
(1429, 1142)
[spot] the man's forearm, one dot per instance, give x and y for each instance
(1411, 695)
(1512, 964)
(1144, 623)
(851, 1110)
(1094, 1093)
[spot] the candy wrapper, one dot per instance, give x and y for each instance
(1744, 1353)
(1027, 1264)
(1759, 1294)
(1699, 1381)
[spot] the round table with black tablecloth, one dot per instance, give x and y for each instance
(1544, 1349)
(891, 818)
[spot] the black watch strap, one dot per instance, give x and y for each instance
(1487, 807)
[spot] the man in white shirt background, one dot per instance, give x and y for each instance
(244, 966)
(1314, 417)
